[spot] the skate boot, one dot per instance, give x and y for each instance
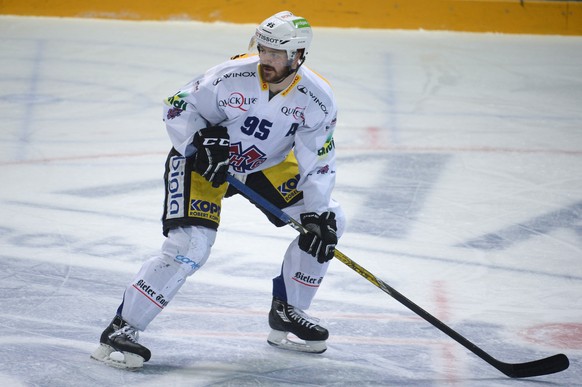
(285, 319)
(121, 337)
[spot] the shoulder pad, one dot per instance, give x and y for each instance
(239, 56)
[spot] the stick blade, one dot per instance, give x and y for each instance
(548, 365)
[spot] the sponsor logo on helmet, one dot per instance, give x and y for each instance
(270, 40)
(301, 23)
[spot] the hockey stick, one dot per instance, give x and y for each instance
(548, 365)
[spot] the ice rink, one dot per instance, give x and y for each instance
(459, 167)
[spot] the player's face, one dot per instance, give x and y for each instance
(273, 64)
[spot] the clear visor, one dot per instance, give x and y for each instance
(253, 49)
(272, 53)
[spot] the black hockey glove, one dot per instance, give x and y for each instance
(322, 238)
(211, 159)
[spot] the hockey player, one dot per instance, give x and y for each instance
(269, 121)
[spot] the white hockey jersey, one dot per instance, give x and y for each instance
(262, 131)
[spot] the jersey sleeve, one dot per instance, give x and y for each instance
(192, 108)
(315, 153)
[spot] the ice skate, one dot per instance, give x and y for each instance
(119, 347)
(285, 319)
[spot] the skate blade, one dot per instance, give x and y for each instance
(280, 340)
(124, 360)
(102, 352)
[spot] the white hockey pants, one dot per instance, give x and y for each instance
(186, 250)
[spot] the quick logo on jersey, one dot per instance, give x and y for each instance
(237, 100)
(175, 187)
(307, 280)
(288, 189)
(297, 112)
(245, 160)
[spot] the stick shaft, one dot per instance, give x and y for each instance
(544, 366)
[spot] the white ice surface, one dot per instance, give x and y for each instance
(460, 169)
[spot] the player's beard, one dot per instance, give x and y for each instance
(272, 75)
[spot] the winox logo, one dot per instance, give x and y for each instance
(237, 100)
(319, 102)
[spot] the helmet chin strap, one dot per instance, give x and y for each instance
(290, 70)
(283, 77)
